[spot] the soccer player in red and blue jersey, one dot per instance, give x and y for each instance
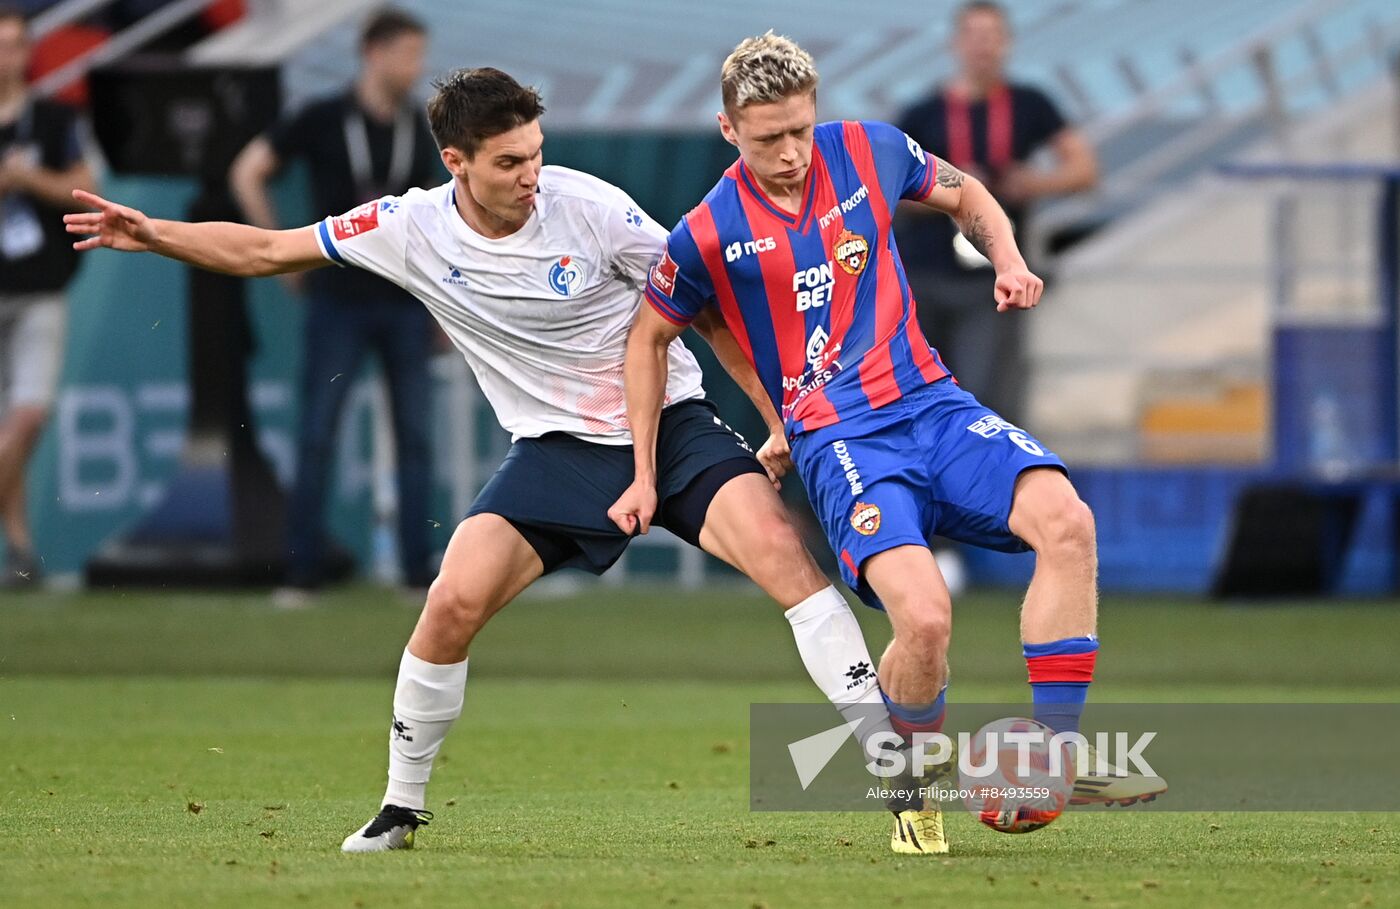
(794, 249)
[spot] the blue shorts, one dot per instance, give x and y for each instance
(556, 489)
(934, 462)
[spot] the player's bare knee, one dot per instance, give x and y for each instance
(927, 631)
(1067, 531)
(776, 538)
(922, 620)
(765, 546)
(455, 611)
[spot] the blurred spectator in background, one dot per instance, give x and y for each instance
(986, 126)
(369, 141)
(41, 163)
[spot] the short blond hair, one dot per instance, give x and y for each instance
(763, 69)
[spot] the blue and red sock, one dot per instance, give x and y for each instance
(1060, 673)
(907, 719)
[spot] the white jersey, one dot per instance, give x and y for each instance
(541, 315)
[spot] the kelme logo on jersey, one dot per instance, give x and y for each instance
(455, 277)
(566, 277)
(851, 251)
(865, 519)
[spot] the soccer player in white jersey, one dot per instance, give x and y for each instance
(536, 274)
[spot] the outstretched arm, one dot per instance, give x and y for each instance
(234, 249)
(987, 228)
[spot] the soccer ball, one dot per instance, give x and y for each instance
(1007, 782)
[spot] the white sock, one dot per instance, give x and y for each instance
(834, 652)
(427, 700)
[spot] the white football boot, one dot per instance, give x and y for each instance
(391, 828)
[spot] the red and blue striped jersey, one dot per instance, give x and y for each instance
(818, 301)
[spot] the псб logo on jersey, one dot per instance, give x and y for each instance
(865, 519)
(737, 250)
(851, 251)
(566, 277)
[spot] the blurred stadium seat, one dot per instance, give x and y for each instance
(60, 47)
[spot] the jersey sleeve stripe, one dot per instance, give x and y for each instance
(930, 172)
(663, 309)
(323, 240)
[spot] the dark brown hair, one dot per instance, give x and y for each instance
(9, 11)
(469, 106)
(388, 24)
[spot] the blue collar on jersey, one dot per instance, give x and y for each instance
(798, 220)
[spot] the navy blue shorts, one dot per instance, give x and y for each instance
(934, 462)
(557, 489)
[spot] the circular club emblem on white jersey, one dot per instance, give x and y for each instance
(566, 277)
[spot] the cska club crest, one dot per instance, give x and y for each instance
(865, 519)
(852, 251)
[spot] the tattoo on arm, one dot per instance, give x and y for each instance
(975, 229)
(973, 226)
(948, 176)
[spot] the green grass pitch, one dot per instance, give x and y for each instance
(198, 750)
